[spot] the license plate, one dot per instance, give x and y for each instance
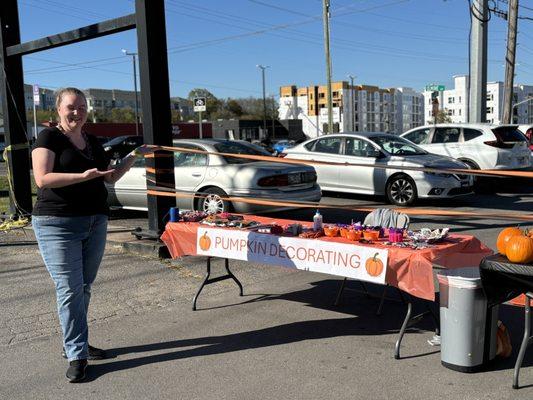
(295, 179)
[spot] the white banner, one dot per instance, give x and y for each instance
(349, 260)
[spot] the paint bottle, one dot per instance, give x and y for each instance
(317, 221)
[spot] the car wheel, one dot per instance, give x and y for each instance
(480, 183)
(212, 201)
(401, 190)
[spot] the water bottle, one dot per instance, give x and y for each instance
(317, 221)
(174, 214)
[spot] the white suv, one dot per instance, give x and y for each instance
(481, 146)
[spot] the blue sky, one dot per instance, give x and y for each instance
(216, 44)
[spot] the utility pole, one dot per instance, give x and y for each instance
(328, 65)
(478, 62)
(265, 131)
(353, 101)
(134, 62)
(512, 26)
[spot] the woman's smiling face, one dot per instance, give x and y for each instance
(72, 111)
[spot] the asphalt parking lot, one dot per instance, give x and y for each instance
(283, 339)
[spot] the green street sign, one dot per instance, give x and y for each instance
(435, 88)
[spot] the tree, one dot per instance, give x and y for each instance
(234, 107)
(212, 105)
(442, 117)
(122, 115)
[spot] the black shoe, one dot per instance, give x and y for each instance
(76, 371)
(94, 353)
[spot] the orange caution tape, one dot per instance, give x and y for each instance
(163, 191)
(496, 173)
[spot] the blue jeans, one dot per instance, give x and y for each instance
(72, 249)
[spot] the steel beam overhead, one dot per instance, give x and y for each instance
(93, 31)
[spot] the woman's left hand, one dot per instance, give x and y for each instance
(145, 149)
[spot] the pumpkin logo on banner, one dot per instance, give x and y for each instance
(204, 242)
(374, 266)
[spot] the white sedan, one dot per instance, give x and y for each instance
(401, 187)
(211, 177)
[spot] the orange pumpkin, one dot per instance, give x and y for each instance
(205, 242)
(374, 266)
(504, 237)
(519, 249)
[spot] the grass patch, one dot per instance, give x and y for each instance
(4, 194)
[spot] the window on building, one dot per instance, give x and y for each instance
(490, 97)
(490, 110)
(336, 94)
(459, 99)
(451, 100)
(321, 95)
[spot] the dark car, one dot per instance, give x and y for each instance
(119, 146)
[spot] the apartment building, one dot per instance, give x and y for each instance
(46, 98)
(107, 99)
(355, 108)
(454, 102)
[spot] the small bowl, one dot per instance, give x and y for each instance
(331, 231)
(343, 232)
(353, 235)
(371, 235)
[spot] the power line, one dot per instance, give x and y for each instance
(55, 11)
(63, 64)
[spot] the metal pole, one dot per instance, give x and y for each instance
(353, 101)
(273, 117)
(200, 124)
(510, 62)
(264, 103)
(136, 94)
(155, 107)
(528, 99)
(133, 56)
(12, 93)
(263, 67)
(328, 65)
(34, 121)
(478, 62)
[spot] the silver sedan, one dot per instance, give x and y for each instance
(401, 187)
(211, 177)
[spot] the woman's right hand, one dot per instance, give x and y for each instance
(95, 173)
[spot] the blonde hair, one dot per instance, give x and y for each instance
(68, 90)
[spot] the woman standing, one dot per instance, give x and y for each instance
(70, 218)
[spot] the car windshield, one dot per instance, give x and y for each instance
(115, 141)
(239, 148)
(397, 146)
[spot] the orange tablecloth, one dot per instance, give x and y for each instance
(408, 269)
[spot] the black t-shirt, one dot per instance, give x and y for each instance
(80, 199)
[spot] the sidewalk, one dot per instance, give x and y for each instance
(282, 340)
